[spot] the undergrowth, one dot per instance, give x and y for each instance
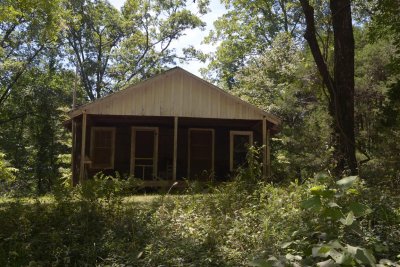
(241, 223)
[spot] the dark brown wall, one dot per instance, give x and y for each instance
(165, 142)
(122, 149)
(165, 151)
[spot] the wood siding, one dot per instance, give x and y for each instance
(175, 93)
(123, 133)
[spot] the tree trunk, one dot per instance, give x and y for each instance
(344, 83)
(341, 85)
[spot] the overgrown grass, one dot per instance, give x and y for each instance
(230, 226)
(50, 199)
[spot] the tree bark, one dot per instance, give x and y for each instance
(344, 81)
(341, 85)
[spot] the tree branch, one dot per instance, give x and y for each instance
(19, 74)
(310, 36)
(13, 118)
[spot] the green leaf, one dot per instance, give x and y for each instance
(335, 244)
(316, 190)
(386, 262)
(324, 249)
(312, 203)
(381, 248)
(359, 209)
(343, 258)
(327, 263)
(320, 251)
(333, 205)
(322, 191)
(365, 257)
(333, 213)
(323, 177)
(295, 233)
(349, 219)
(362, 255)
(286, 244)
(261, 263)
(347, 182)
(291, 257)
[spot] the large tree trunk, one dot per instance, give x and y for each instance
(341, 85)
(344, 83)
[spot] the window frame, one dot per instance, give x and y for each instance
(93, 131)
(231, 145)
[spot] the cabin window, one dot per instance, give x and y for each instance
(239, 144)
(102, 147)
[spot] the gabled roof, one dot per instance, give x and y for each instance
(175, 92)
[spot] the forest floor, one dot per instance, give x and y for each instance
(237, 224)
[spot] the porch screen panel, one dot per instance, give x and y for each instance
(200, 153)
(144, 153)
(102, 147)
(144, 144)
(240, 142)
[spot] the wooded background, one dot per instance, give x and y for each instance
(329, 69)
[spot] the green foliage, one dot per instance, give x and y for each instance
(260, 58)
(35, 140)
(337, 233)
(246, 31)
(26, 29)
(283, 83)
(376, 123)
(113, 48)
(40, 42)
(107, 187)
(232, 225)
(7, 173)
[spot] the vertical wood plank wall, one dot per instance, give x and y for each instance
(173, 146)
(178, 95)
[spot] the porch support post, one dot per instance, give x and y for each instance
(73, 153)
(175, 148)
(268, 154)
(265, 148)
(82, 163)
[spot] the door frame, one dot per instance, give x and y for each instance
(212, 147)
(134, 129)
(231, 139)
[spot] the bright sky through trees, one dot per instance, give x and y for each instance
(193, 37)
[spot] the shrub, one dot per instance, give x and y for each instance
(337, 229)
(234, 224)
(7, 175)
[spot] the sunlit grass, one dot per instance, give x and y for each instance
(48, 199)
(145, 199)
(28, 200)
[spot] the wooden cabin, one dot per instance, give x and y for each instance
(167, 128)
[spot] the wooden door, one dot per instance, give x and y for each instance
(201, 154)
(144, 152)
